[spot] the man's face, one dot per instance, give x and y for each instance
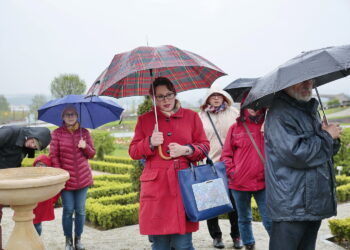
(301, 91)
(30, 143)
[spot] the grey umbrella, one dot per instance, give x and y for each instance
(239, 87)
(322, 65)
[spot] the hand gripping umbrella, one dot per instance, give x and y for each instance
(132, 73)
(92, 111)
(322, 65)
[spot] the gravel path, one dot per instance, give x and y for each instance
(129, 238)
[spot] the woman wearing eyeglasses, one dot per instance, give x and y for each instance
(70, 149)
(162, 214)
(218, 115)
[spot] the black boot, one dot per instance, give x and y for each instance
(69, 243)
(77, 243)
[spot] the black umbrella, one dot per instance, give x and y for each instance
(322, 65)
(239, 87)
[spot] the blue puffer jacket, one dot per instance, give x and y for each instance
(300, 182)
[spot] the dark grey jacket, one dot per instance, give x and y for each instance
(12, 138)
(300, 182)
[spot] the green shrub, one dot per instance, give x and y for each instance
(343, 193)
(104, 143)
(109, 189)
(342, 180)
(116, 159)
(111, 216)
(340, 228)
(115, 168)
(121, 178)
(118, 199)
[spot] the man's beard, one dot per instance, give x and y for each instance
(298, 95)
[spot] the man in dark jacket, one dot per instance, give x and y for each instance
(300, 181)
(18, 142)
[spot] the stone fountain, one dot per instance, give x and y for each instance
(22, 188)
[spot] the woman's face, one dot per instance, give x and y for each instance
(70, 117)
(216, 100)
(165, 99)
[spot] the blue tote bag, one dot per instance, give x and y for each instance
(204, 190)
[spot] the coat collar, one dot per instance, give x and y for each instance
(310, 106)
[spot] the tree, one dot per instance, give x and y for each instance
(67, 84)
(4, 109)
(333, 103)
(103, 142)
(145, 106)
(37, 102)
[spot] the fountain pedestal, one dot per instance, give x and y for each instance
(22, 189)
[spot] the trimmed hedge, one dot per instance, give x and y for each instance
(118, 199)
(116, 159)
(114, 168)
(340, 228)
(121, 178)
(111, 216)
(108, 189)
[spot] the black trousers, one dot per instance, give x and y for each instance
(294, 235)
(213, 223)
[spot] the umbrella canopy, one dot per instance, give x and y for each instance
(92, 111)
(131, 73)
(322, 65)
(238, 87)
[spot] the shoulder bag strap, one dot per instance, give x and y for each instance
(254, 143)
(216, 132)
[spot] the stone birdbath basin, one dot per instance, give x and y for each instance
(22, 188)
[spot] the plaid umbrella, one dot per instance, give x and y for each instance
(131, 73)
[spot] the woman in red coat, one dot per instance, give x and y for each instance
(70, 149)
(245, 170)
(162, 214)
(44, 211)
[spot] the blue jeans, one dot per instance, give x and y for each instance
(73, 202)
(38, 228)
(244, 209)
(176, 241)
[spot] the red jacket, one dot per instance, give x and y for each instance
(161, 208)
(244, 167)
(44, 211)
(65, 154)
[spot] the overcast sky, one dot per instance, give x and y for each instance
(40, 39)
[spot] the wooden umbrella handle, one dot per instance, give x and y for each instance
(160, 151)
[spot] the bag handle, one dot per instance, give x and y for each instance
(209, 162)
(216, 132)
(254, 143)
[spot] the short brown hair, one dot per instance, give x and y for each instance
(162, 81)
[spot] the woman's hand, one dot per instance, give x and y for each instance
(82, 144)
(157, 138)
(177, 150)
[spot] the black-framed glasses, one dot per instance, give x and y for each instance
(168, 96)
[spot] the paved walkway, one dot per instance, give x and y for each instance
(129, 237)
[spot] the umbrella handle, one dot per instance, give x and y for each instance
(160, 151)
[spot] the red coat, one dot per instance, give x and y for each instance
(44, 211)
(244, 167)
(161, 208)
(65, 154)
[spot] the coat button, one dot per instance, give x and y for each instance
(168, 151)
(167, 119)
(169, 133)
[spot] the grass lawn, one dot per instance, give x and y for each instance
(334, 110)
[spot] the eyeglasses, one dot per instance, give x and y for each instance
(70, 114)
(168, 96)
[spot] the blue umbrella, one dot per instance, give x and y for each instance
(92, 111)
